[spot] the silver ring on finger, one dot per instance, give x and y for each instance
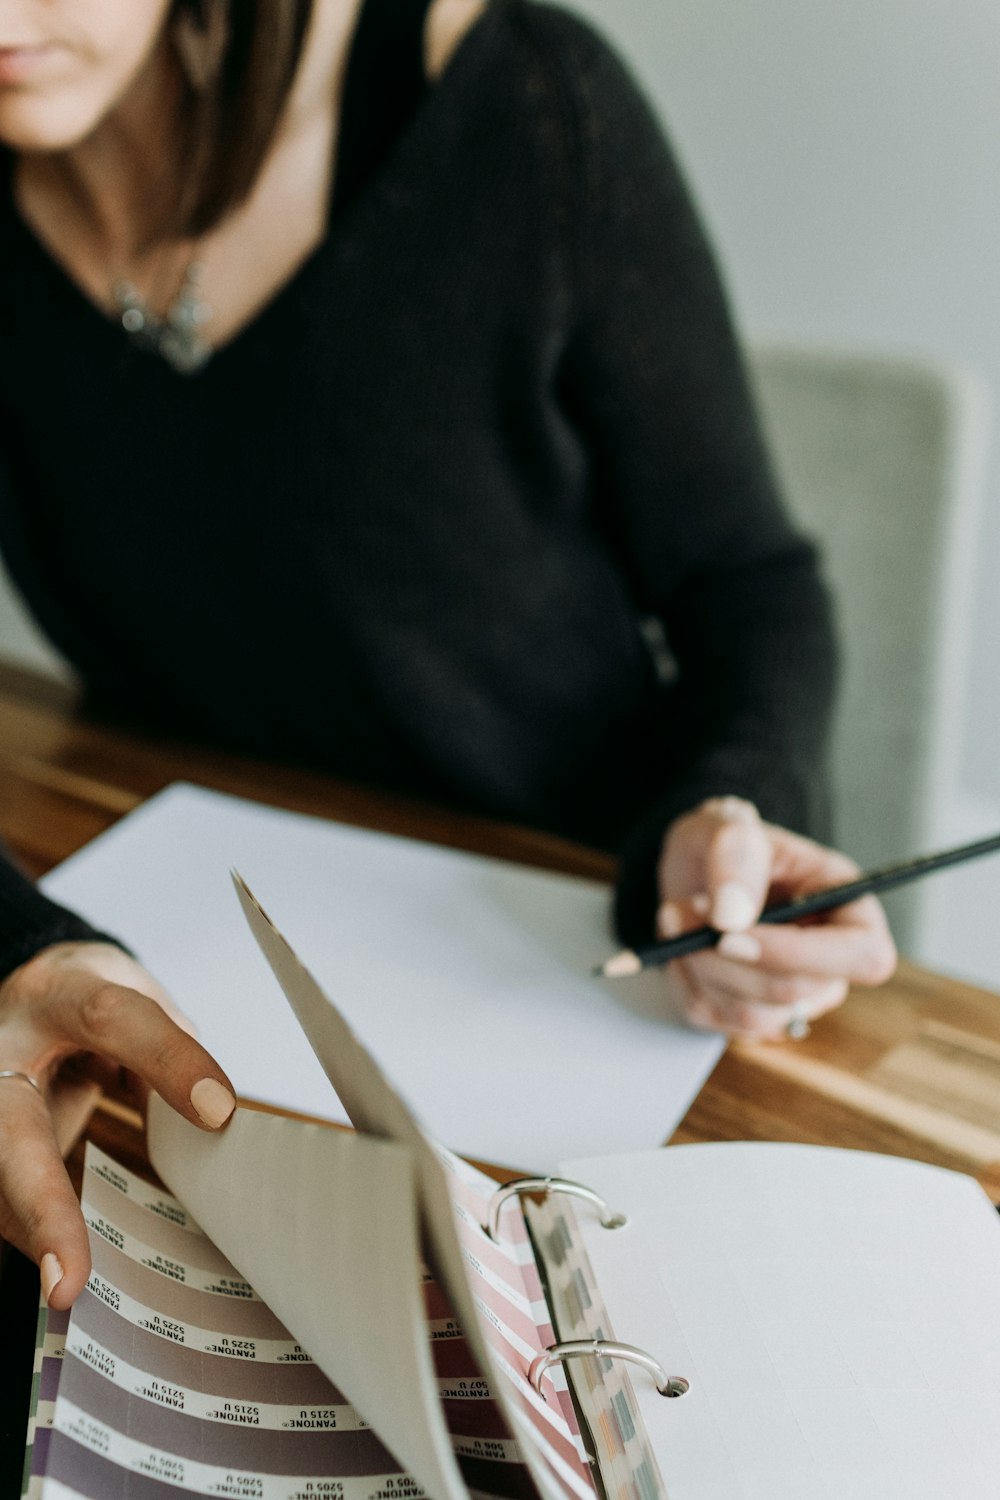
(25, 1078)
(797, 1027)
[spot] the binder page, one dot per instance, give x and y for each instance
(837, 1314)
(615, 1428)
(469, 978)
(170, 1377)
(323, 1224)
(503, 1336)
(515, 1321)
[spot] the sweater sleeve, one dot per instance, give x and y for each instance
(683, 486)
(29, 921)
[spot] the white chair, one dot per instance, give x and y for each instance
(883, 461)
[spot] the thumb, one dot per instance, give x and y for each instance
(738, 872)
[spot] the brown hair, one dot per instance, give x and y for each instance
(231, 112)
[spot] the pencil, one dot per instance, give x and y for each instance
(632, 961)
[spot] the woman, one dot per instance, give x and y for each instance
(368, 399)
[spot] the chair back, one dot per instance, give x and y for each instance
(883, 462)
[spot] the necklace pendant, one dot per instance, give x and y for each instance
(181, 342)
(177, 336)
(184, 351)
(132, 311)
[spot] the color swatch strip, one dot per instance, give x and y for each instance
(171, 1377)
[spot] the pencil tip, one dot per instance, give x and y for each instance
(621, 966)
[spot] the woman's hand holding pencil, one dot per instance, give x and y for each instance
(721, 865)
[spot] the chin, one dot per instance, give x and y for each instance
(33, 124)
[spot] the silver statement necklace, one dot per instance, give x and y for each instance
(178, 336)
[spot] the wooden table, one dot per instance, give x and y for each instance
(912, 1069)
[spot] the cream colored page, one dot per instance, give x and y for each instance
(377, 1109)
(837, 1314)
(372, 1104)
(323, 1224)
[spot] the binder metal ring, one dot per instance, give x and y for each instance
(667, 1385)
(547, 1185)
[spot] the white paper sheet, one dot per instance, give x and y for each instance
(468, 978)
(837, 1314)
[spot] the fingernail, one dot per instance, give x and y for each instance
(668, 920)
(50, 1273)
(738, 810)
(741, 945)
(701, 904)
(734, 908)
(213, 1104)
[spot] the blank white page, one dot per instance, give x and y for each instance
(467, 978)
(837, 1314)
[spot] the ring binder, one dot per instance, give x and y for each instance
(548, 1185)
(667, 1385)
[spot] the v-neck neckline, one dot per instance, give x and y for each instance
(339, 229)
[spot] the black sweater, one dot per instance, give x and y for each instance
(419, 522)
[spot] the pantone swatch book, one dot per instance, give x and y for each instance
(272, 1331)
